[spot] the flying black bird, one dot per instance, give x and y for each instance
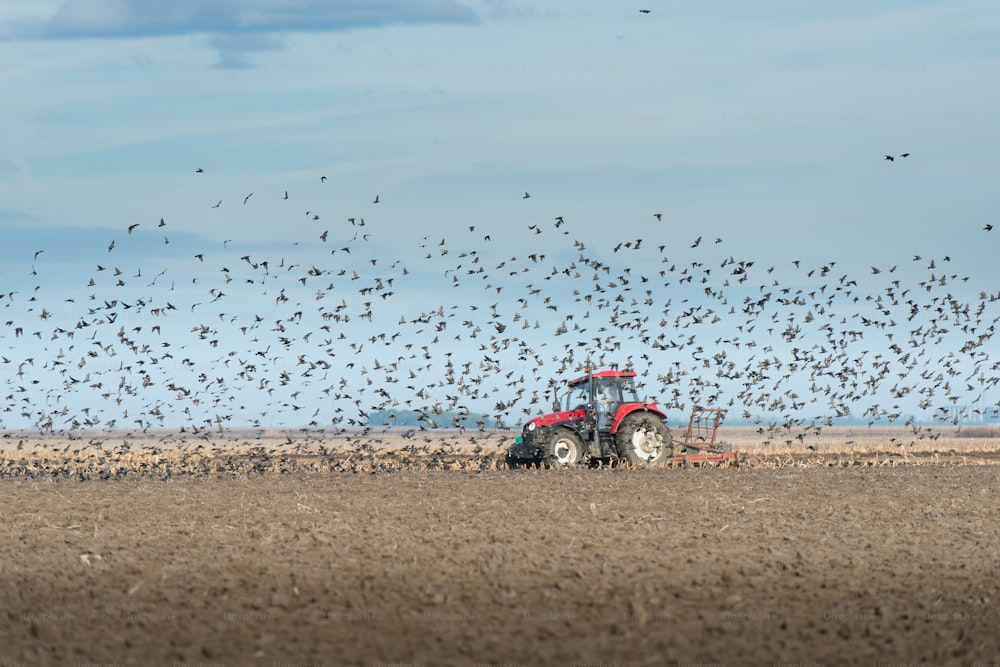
(247, 197)
(890, 158)
(218, 205)
(988, 228)
(199, 170)
(526, 196)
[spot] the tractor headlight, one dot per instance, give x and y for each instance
(531, 426)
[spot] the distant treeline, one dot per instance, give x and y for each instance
(415, 418)
(474, 420)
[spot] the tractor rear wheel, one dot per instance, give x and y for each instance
(642, 438)
(562, 448)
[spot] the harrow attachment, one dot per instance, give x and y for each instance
(699, 443)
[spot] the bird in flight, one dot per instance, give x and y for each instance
(322, 179)
(988, 228)
(643, 11)
(286, 195)
(658, 216)
(132, 226)
(219, 204)
(526, 196)
(375, 201)
(247, 197)
(199, 170)
(890, 158)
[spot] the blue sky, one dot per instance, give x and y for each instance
(764, 129)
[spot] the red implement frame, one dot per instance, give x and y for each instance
(698, 444)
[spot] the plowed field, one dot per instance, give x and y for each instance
(737, 566)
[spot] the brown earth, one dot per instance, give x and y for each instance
(739, 565)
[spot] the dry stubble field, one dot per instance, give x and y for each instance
(823, 557)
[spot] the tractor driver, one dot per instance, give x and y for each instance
(607, 398)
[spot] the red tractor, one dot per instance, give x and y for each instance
(601, 418)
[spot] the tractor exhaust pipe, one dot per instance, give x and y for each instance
(592, 409)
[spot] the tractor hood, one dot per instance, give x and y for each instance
(557, 417)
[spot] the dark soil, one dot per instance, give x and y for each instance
(737, 566)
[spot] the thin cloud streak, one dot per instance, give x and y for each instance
(136, 18)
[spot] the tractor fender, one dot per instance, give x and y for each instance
(628, 408)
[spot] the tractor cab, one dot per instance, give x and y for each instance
(611, 389)
(619, 388)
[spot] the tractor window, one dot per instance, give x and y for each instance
(576, 397)
(607, 390)
(608, 395)
(628, 390)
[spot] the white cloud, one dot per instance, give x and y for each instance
(138, 18)
(235, 28)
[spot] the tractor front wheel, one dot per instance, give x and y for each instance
(563, 448)
(642, 438)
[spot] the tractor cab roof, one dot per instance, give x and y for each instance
(603, 374)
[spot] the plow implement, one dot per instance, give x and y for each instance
(699, 442)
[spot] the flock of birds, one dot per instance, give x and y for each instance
(125, 461)
(327, 330)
